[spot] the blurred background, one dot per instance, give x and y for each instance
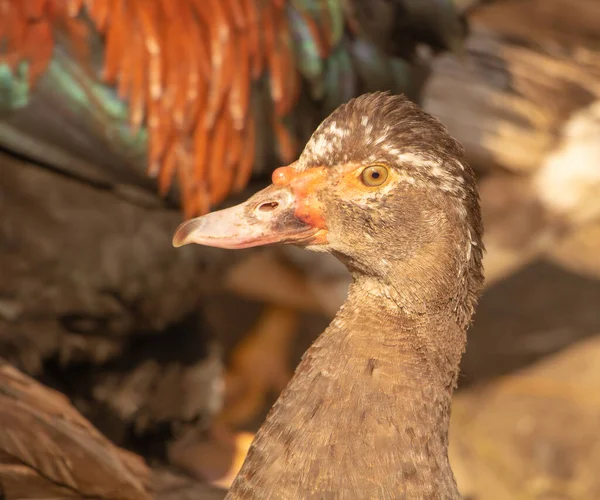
(120, 118)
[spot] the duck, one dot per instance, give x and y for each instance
(382, 186)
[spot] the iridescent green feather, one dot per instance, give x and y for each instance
(70, 119)
(340, 79)
(401, 74)
(336, 16)
(372, 67)
(14, 87)
(308, 60)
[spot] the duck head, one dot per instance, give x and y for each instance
(380, 183)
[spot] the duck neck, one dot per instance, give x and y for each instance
(411, 353)
(368, 408)
(423, 339)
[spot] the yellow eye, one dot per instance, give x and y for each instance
(373, 176)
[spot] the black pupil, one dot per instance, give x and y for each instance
(375, 174)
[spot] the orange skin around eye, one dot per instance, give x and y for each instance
(306, 184)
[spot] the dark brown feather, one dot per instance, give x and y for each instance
(48, 450)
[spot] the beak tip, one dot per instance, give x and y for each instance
(182, 233)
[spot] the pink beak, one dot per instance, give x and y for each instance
(267, 218)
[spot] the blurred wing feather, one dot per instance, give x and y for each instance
(48, 450)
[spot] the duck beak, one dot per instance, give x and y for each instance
(267, 218)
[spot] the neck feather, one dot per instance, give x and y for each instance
(367, 412)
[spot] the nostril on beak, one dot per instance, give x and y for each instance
(268, 207)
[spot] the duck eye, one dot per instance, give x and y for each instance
(375, 175)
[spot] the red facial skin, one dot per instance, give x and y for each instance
(304, 186)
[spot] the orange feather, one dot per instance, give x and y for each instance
(186, 68)
(39, 42)
(114, 41)
(244, 170)
(220, 174)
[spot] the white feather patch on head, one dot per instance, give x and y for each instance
(352, 135)
(434, 169)
(326, 140)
